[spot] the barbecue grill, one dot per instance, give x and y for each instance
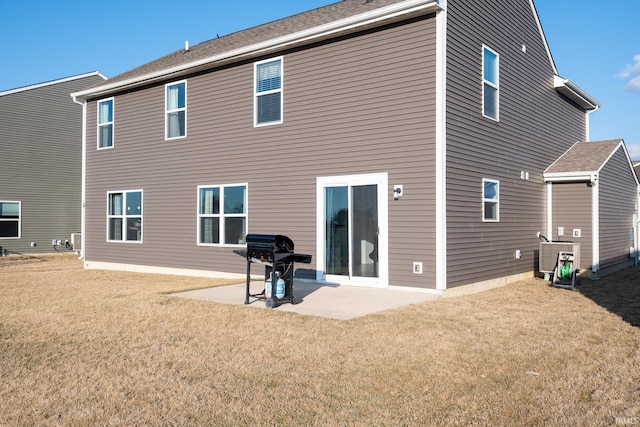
(276, 253)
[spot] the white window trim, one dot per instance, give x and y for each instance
(112, 123)
(125, 216)
(167, 111)
(222, 215)
(19, 219)
(256, 95)
(496, 201)
(496, 86)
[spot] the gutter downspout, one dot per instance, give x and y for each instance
(636, 229)
(595, 226)
(595, 205)
(550, 210)
(84, 175)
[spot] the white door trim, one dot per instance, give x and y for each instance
(382, 180)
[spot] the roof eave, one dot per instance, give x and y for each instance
(576, 94)
(372, 18)
(53, 82)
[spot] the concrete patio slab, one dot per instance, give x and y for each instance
(331, 301)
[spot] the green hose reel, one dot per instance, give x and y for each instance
(565, 272)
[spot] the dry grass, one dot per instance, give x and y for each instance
(85, 347)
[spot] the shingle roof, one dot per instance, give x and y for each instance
(254, 36)
(584, 157)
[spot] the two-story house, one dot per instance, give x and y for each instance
(41, 165)
(400, 142)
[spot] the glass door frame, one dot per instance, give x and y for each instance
(379, 179)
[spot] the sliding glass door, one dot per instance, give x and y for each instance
(352, 229)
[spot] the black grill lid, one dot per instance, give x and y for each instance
(264, 246)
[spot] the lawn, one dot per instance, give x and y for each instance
(88, 347)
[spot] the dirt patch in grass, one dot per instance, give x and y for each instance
(89, 347)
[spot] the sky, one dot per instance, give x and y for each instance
(595, 44)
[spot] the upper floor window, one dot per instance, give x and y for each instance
(222, 215)
(490, 200)
(10, 213)
(105, 123)
(124, 216)
(490, 83)
(268, 92)
(176, 110)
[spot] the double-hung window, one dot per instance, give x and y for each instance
(222, 214)
(490, 83)
(490, 200)
(176, 110)
(268, 92)
(124, 216)
(105, 123)
(10, 214)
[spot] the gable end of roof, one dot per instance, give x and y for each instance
(584, 161)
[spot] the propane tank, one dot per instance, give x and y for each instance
(279, 286)
(279, 290)
(267, 288)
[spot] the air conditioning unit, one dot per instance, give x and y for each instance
(548, 255)
(76, 241)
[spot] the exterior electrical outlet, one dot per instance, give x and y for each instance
(417, 268)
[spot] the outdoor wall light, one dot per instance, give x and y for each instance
(397, 192)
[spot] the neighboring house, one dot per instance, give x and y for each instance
(402, 143)
(41, 164)
(593, 195)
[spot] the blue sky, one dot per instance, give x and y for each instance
(594, 44)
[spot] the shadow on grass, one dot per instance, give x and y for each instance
(618, 293)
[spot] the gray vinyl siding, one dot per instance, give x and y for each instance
(618, 199)
(41, 162)
(536, 125)
(355, 105)
(572, 209)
